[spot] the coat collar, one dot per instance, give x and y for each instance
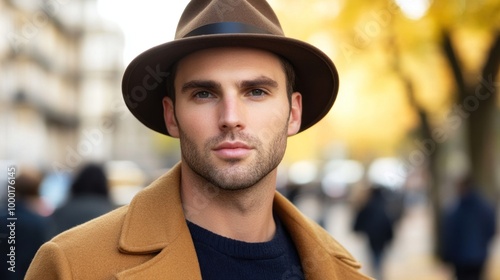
(155, 223)
(156, 207)
(322, 257)
(159, 207)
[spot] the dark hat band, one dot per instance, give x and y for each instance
(225, 28)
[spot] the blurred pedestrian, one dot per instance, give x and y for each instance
(374, 221)
(468, 228)
(28, 231)
(89, 198)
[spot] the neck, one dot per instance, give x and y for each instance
(245, 215)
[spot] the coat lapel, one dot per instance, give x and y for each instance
(155, 224)
(321, 256)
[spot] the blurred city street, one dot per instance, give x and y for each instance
(410, 255)
(418, 110)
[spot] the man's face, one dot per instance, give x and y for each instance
(232, 115)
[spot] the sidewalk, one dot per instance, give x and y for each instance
(410, 255)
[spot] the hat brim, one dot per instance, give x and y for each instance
(144, 80)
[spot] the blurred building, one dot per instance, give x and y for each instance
(61, 68)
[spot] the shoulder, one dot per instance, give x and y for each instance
(100, 231)
(87, 247)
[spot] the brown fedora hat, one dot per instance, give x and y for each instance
(223, 23)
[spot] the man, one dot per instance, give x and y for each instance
(226, 87)
(22, 237)
(374, 220)
(468, 229)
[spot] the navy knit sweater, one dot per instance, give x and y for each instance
(223, 258)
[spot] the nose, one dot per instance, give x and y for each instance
(231, 113)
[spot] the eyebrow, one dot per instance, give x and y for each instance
(205, 84)
(258, 82)
(216, 86)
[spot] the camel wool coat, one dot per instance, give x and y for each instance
(150, 239)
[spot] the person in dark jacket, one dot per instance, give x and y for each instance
(373, 220)
(23, 229)
(468, 228)
(89, 199)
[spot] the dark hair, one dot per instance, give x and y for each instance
(290, 77)
(90, 180)
(28, 183)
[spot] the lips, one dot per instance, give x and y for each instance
(232, 150)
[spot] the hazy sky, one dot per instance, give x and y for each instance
(145, 23)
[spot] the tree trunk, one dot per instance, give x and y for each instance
(482, 98)
(479, 102)
(425, 133)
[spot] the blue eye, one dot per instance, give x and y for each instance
(203, 94)
(257, 92)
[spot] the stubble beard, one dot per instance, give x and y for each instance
(234, 175)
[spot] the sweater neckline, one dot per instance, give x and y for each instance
(271, 249)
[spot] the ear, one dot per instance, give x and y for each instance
(169, 117)
(295, 114)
